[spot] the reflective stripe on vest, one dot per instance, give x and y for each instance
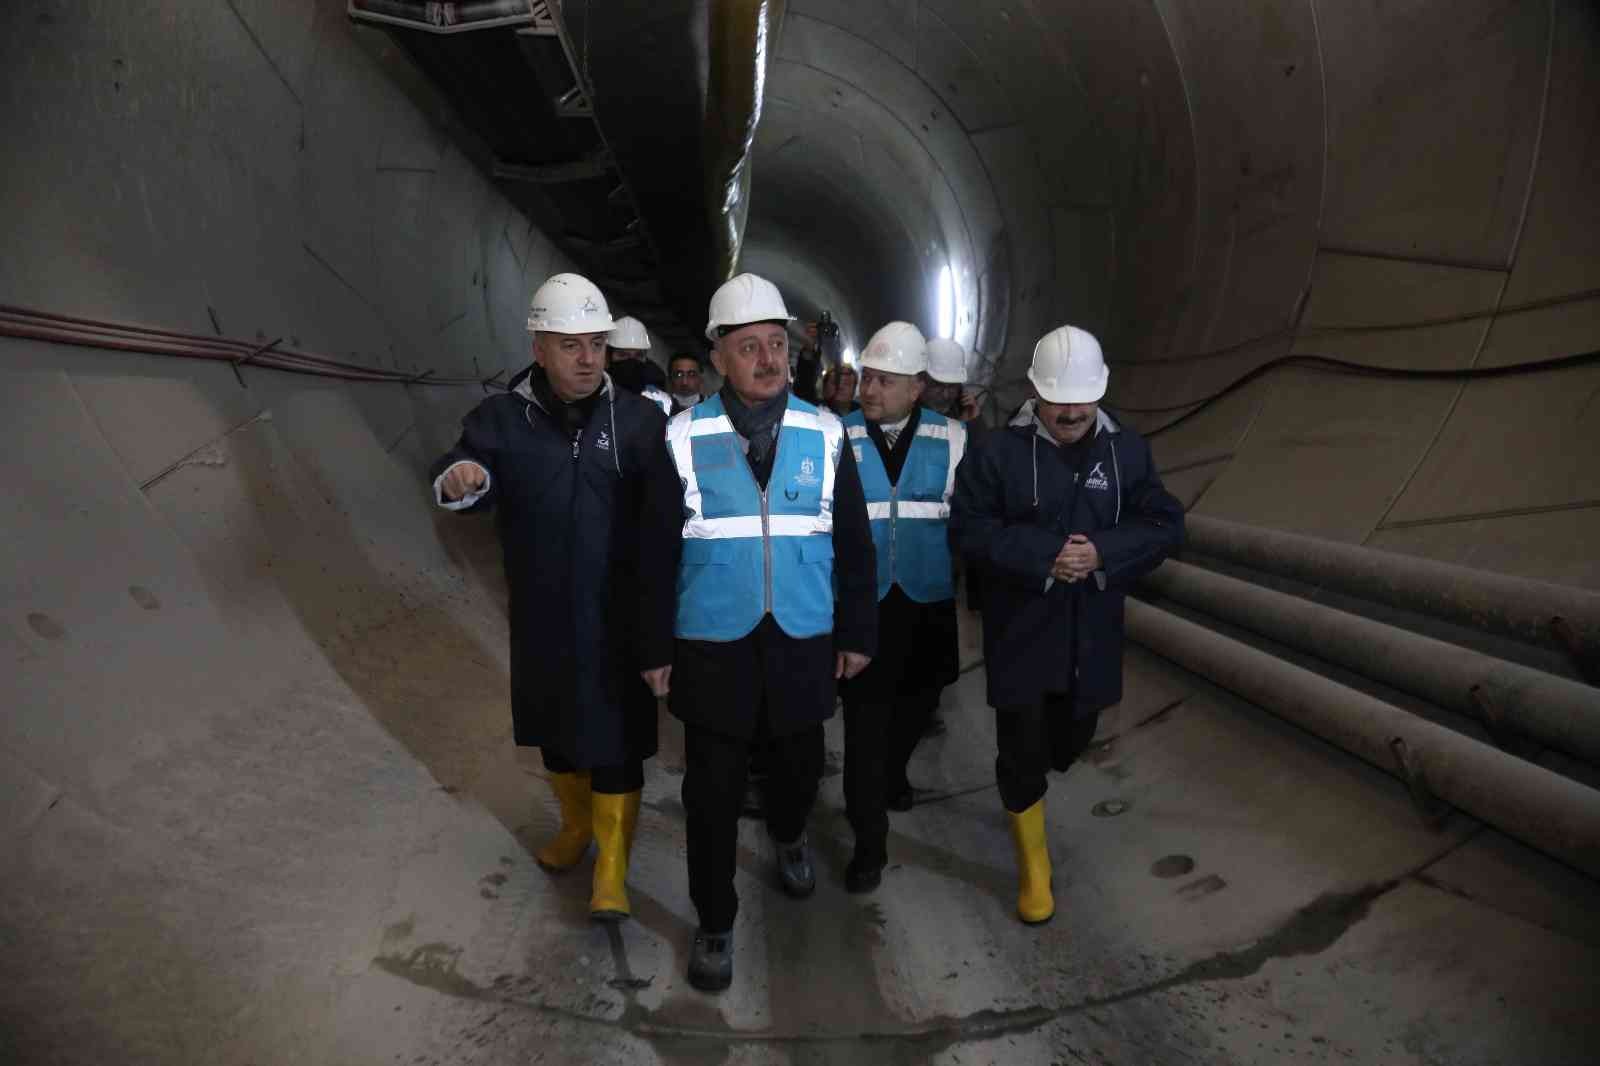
(910, 519)
(747, 553)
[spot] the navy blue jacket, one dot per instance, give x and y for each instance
(1018, 497)
(589, 531)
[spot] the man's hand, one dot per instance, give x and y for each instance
(969, 408)
(659, 680)
(462, 479)
(848, 664)
(1077, 559)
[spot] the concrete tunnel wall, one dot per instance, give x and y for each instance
(233, 623)
(1191, 177)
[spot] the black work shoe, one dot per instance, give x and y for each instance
(862, 875)
(796, 872)
(901, 800)
(711, 961)
(754, 800)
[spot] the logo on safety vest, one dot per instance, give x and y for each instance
(603, 441)
(857, 449)
(1097, 478)
(807, 476)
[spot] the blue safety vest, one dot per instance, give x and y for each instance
(747, 552)
(911, 518)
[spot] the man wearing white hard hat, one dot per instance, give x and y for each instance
(1063, 510)
(908, 457)
(588, 507)
(947, 374)
(628, 360)
(774, 522)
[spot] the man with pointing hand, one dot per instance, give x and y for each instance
(1062, 510)
(588, 508)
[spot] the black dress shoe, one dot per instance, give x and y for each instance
(711, 961)
(796, 872)
(862, 876)
(902, 800)
(754, 800)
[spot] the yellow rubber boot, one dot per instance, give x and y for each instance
(567, 847)
(1034, 902)
(615, 817)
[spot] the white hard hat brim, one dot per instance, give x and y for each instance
(711, 330)
(890, 366)
(604, 326)
(1093, 392)
(947, 379)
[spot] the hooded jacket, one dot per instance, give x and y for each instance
(1019, 495)
(588, 520)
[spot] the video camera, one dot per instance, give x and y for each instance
(828, 337)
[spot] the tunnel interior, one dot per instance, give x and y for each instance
(259, 799)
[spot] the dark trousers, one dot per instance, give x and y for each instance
(1033, 740)
(878, 741)
(715, 771)
(607, 780)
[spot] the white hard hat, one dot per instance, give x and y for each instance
(897, 348)
(1068, 367)
(630, 333)
(743, 300)
(569, 303)
(947, 361)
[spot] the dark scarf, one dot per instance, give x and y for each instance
(571, 417)
(758, 425)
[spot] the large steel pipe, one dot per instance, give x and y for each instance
(1563, 714)
(1529, 610)
(1554, 814)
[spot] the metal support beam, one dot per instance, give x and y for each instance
(1511, 606)
(594, 165)
(1560, 713)
(443, 18)
(1555, 814)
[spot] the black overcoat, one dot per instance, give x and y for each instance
(588, 527)
(1018, 497)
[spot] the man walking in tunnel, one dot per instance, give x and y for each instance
(908, 457)
(588, 508)
(839, 389)
(628, 360)
(684, 381)
(774, 521)
(1062, 510)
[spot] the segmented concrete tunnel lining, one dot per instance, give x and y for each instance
(259, 802)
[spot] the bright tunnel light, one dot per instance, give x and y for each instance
(848, 356)
(947, 302)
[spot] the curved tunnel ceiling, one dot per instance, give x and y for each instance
(1212, 188)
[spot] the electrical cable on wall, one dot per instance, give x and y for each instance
(30, 324)
(1328, 365)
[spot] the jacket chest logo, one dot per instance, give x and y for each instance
(1097, 479)
(603, 441)
(807, 477)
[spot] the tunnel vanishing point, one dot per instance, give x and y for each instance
(259, 800)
